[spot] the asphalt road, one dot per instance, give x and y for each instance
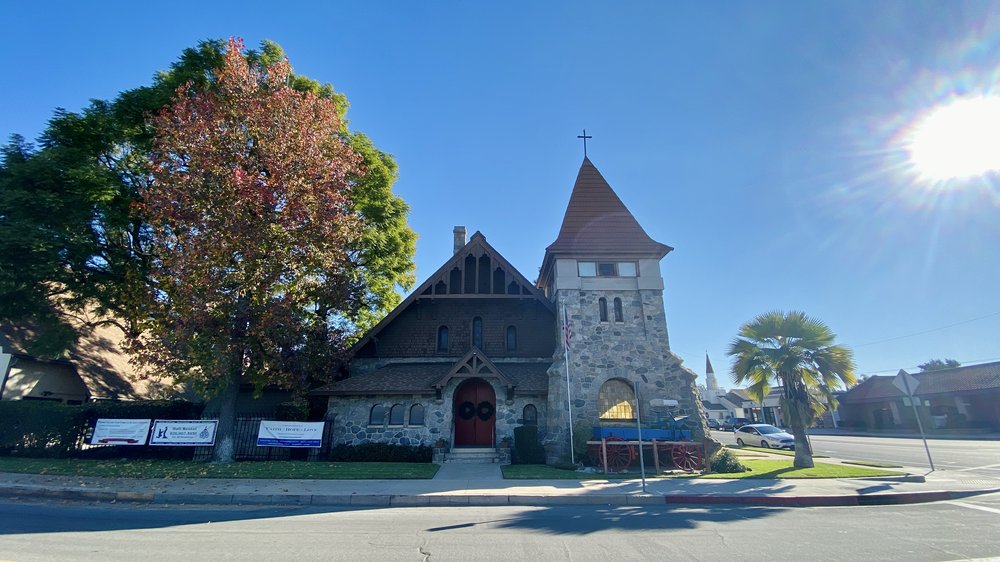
(966, 457)
(941, 531)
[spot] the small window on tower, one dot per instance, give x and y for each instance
(619, 313)
(607, 270)
(602, 308)
(587, 268)
(626, 269)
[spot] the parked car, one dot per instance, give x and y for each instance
(714, 423)
(729, 424)
(764, 435)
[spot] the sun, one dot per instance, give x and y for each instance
(957, 140)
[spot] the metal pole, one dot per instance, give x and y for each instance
(638, 426)
(920, 425)
(569, 397)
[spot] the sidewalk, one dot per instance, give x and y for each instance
(480, 485)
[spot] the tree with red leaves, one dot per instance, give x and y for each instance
(250, 225)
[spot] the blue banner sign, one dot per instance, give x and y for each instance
(290, 434)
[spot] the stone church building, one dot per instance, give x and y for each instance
(478, 349)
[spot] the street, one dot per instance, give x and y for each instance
(937, 531)
(967, 458)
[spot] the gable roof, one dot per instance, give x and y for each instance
(971, 378)
(420, 379)
(597, 221)
(712, 405)
(96, 357)
(477, 245)
(474, 364)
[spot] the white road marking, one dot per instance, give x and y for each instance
(974, 506)
(978, 467)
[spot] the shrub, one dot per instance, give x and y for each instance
(41, 429)
(582, 432)
(723, 461)
(527, 449)
(48, 429)
(381, 452)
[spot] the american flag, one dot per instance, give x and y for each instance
(567, 329)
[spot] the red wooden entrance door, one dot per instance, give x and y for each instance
(475, 414)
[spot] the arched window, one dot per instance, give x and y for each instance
(614, 401)
(377, 415)
(416, 415)
(530, 415)
(477, 332)
(511, 339)
(396, 414)
(442, 341)
(602, 305)
(619, 313)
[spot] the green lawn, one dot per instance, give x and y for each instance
(782, 452)
(246, 469)
(874, 464)
(780, 468)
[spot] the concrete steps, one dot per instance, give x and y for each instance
(472, 456)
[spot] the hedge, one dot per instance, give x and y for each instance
(527, 449)
(50, 429)
(381, 452)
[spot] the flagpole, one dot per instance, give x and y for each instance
(569, 398)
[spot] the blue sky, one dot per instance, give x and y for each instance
(759, 139)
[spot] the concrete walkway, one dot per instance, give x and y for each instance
(482, 485)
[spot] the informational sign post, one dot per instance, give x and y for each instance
(184, 433)
(290, 434)
(120, 432)
(908, 384)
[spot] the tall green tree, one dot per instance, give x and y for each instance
(939, 364)
(71, 237)
(250, 226)
(797, 353)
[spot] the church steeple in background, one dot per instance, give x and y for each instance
(711, 382)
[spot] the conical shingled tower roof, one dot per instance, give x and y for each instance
(598, 223)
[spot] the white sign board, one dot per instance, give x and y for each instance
(902, 380)
(184, 433)
(4, 367)
(120, 432)
(290, 434)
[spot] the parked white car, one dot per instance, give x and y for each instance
(764, 435)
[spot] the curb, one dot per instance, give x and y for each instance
(362, 500)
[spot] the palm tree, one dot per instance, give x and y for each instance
(797, 353)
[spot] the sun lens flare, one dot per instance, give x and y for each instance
(958, 140)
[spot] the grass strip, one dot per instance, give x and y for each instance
(780, 469)
(873, 464)
(741, 453)
(782, 452)
(123, 468)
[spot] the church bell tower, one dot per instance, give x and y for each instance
(603, 275)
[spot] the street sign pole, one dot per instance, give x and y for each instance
(903, 380)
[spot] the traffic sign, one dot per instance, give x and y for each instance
(905, 382)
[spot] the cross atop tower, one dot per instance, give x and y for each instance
(584, 136)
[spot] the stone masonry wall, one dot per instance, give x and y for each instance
(351, 416)
(636, 350)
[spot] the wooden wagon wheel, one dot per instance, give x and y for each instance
(687, 457)
(619, 456)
